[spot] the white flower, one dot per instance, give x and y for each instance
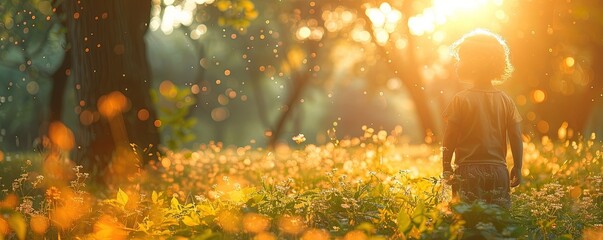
(300, 138)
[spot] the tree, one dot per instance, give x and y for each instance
(112, 82)
(403, 65)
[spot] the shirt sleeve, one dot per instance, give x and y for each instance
(514, 116)
(452, 111)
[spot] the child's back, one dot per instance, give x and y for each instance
(483, 116)
(478, 122)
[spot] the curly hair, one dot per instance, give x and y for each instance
(484, 54)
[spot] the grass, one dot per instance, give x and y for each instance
(370, 187)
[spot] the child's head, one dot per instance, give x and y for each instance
(482, 56)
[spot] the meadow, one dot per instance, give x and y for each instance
(369, 187)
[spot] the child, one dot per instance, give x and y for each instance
(478, 122)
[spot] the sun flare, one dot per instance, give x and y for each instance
(441, 11)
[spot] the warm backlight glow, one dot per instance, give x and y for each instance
(539, 96)
(442, 10)
(111, 104)
(61, 136)
(385, 19)
(569, 61)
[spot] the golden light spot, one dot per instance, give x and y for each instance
(531, 116)
(61, 136)
(355, 235)
(570, 61)
(112, 104)
(195, 89)
(593, 233)
(575, 192)
(56, 168)
(10, 201)
(542, 126)
(76, 15)
(32, 88)
(562, 131)
(86, 117)
(1, 156)
(227, 72)
(108, 227)
(229, 221)
(265, 236)
(168, 89)
(292, 225)
(4, 228)
(179, 168)
(303, 33)
(268, 133)
(218, 82)
(222, 100)
(219, 114)
(231, 93)
(157, 123)
(166, 163)
(255, 223)
(63, 216)
(39, 224)
(521, 100)
(143, 114)
(316, 234)
(538, 96)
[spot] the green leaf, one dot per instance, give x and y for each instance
(174, 203)
(122, 197)
(17, 222)
(192, 220)
(154, 197)
(367, 227)
(404, 222)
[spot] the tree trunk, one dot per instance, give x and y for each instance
(59, 82)
(407, 70)
(300, 81)
(109, 60)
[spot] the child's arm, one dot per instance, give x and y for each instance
(517, 151)
(448, 147)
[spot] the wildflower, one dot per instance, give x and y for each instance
(38, 180)
(26, 206)
(300, 138)
(53, 194)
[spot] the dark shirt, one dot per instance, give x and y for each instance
(482, 118)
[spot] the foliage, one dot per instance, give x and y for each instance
(174, 107)
(359, 188)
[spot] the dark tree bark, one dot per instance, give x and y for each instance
(300, 80)
(109, 56)
(59, 82)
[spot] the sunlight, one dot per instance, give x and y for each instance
(442, 10)
(175, 15)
